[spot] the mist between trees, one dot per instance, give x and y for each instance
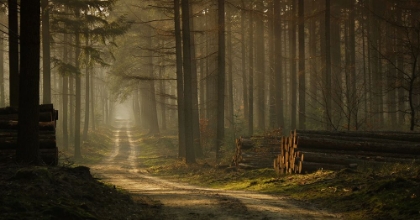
(230, 68)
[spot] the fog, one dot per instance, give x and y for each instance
(123, 110)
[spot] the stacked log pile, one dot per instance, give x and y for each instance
(307, 151)
(47, 139)
(256, 151)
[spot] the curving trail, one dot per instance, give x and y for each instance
(181, 201)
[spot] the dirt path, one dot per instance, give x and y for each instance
(181, 201)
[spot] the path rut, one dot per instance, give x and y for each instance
(182, 201)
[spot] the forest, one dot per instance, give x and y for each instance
(215, 70)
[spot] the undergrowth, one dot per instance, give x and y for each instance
(68, 191)
(389, 191)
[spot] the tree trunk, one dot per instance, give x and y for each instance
(354, 102)
(202, 108)
(271, 69)
(186, 34)
(162, 91)
(196, 117)
(93, 99)
(313, 63)
(243, 63)
(278, 65)
(400, 75)
(152, 117)
(293, 72)
(260, 65)
(13, 53)
(72, 107)
(46, 67)
(65, 96)
(229, 82)
(327, 85)
(221, 79)
(2, 89)
(87, 89)
(336, 67)
(179, 82)
(373, 40)
(77, 118)
(27, 151)
(251, 72)
(302, 72)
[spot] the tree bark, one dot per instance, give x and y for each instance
(278, 65)
(93, 99)
(221, 79)
(2, 89)
(13, 53)
(327, 84)
(77, 118)
(229, 82)
(343, 144)
(65, 96)
(179, 82)
(71, 95)
(152, 117)
(260, 65)
(186, 34)
(271, 69)
(251, 71)
(46, 67)
(292, 58)
(243, 63)
(196, 117)
(27, 151)
(87, 89)
(302, 72)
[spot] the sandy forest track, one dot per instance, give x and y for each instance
(180, 201)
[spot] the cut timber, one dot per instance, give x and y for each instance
(47, 138)
(305, 142)
(43, 117)
(43, 144)
(384, 135)
(49, 156)
(12, 125)
(327, 158)
(256, 151)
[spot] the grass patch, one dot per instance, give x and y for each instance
(390, 191)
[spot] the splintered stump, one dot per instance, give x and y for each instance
(47, 139)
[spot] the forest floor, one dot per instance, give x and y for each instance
(128, 175)
(125, 169)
